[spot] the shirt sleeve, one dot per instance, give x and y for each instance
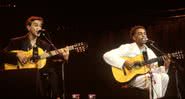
(114, 56)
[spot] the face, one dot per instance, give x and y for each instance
(35, 26)
(140, 36)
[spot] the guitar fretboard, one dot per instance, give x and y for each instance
(177, 55)
(55, 52)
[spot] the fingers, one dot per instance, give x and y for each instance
(65, 52)
(167, 60)
(80, 49)
(23, 58)
(128, 65)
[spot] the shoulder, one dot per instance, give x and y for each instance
(128, 45)
(17, 40)
(43, 44)
(149, 49)
(151, 52)
(20, 38)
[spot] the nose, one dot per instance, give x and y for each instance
(39, 28)
(144, 35)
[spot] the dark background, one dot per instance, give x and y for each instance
(103, 25)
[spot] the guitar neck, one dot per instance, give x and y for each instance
(54, 52)
(149, 61)
(153, 60)
(160, 58)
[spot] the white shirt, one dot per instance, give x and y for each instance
(114, 56)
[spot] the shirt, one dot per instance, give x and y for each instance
(114, 56)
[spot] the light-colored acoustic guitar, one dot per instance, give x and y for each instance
(139, 67)
(41, 61)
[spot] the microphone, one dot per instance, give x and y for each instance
(42, 31)
(150, 41)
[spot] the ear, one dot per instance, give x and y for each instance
(133, 38)
(28, 27)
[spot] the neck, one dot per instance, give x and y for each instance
(32, 39)
(141, 46)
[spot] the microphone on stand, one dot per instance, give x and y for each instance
(42, 32)
(150, 41)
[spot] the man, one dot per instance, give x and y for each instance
(31, 41)
(159, 74)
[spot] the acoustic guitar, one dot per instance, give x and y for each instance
(40, 61)
(139, 67)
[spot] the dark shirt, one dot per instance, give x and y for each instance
(21, 43)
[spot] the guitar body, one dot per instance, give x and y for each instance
(124, 75)
(28, 65)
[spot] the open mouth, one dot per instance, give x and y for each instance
(38, 33)
(144, 40)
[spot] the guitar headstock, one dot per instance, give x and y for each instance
(80, 47)
(178, 55)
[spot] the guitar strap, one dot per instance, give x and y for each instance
(145, 56)
(35, 54)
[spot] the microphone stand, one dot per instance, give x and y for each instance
(145, 56)
(177, 84)
(151, 75)
(176, 72)
(63, 82)
(152, 44)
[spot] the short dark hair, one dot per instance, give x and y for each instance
(32, 18)
(133, 30)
